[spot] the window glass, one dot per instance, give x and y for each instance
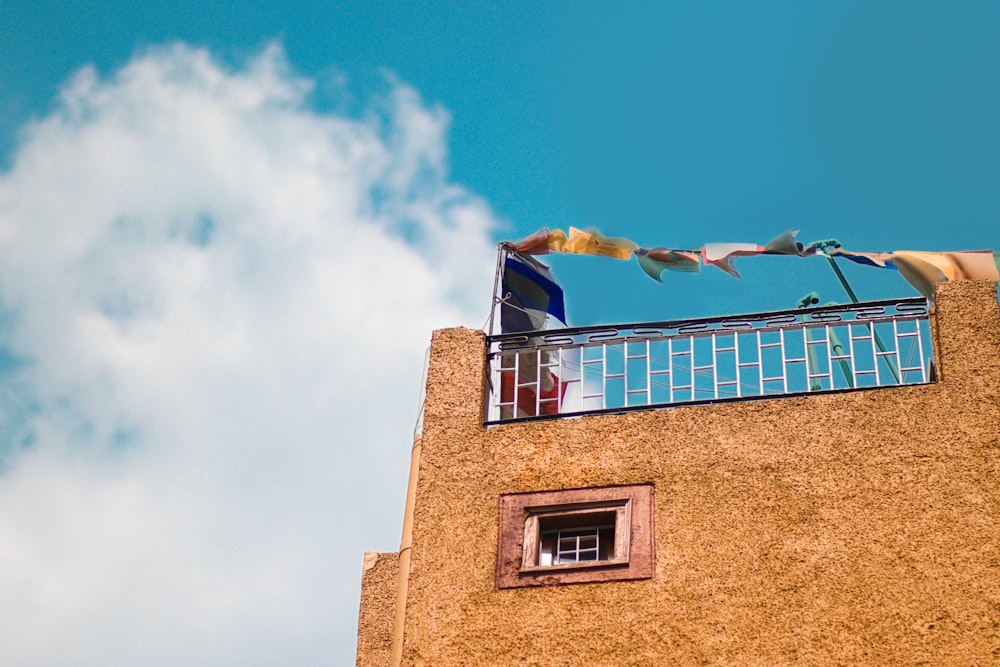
(571, 539)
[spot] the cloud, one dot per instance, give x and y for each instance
(214, 302)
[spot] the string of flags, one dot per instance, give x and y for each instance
(923, 270)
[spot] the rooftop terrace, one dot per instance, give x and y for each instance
(584, 370)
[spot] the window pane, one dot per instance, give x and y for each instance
(576, 537)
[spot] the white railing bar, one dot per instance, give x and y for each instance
(649, 372)
(604, 374)
(693, 367)
(871, 339)
(829, 355)
(670, 367)
(850, 346)
(715, 363)
(760, 364)
(736, 350)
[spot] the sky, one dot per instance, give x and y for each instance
(227, 232)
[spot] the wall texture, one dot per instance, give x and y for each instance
(853, 528)
(378, 603)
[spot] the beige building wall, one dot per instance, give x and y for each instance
(379, 580)
(853, 528)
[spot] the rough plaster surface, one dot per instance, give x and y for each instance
(853, 528)
(378, 605)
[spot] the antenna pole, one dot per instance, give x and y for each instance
(501, 255)
(834, 243)
(842, 279)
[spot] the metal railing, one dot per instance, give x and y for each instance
(574, 371)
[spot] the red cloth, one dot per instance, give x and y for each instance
(527, 405)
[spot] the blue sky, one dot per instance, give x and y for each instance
(672, 124)
(226, 234)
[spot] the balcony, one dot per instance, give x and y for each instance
(590, 370)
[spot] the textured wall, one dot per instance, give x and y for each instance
(378, 605)
(853, 528)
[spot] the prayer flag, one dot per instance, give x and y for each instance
(787, 245)
(722, 254)
(924, 270)
(541, 242)
(592, 242)
(974, 265)
(656, 261)
(557, 240)
(882, 260)
(532, 294)
(536, 244)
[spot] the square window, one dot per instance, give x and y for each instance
(562, 544)
(575, 536)
(569, 536)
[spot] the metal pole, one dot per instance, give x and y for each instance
(501, 255)
(833, 243)
(843, 280)
(812, 367)
(838, 349)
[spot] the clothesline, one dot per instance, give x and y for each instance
(921, 269)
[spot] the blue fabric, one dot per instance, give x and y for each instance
(533, 295)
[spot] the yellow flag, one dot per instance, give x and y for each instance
(592, 242)
(924, 270)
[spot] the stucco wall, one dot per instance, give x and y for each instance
(854, 528)
(378, 604)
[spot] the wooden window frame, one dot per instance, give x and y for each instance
(522, 513)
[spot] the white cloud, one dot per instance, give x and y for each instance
(219, 300)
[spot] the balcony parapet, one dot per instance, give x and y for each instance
(586, 370)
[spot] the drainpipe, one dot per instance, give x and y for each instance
(406, 544)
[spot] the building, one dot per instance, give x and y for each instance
(815, 524)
